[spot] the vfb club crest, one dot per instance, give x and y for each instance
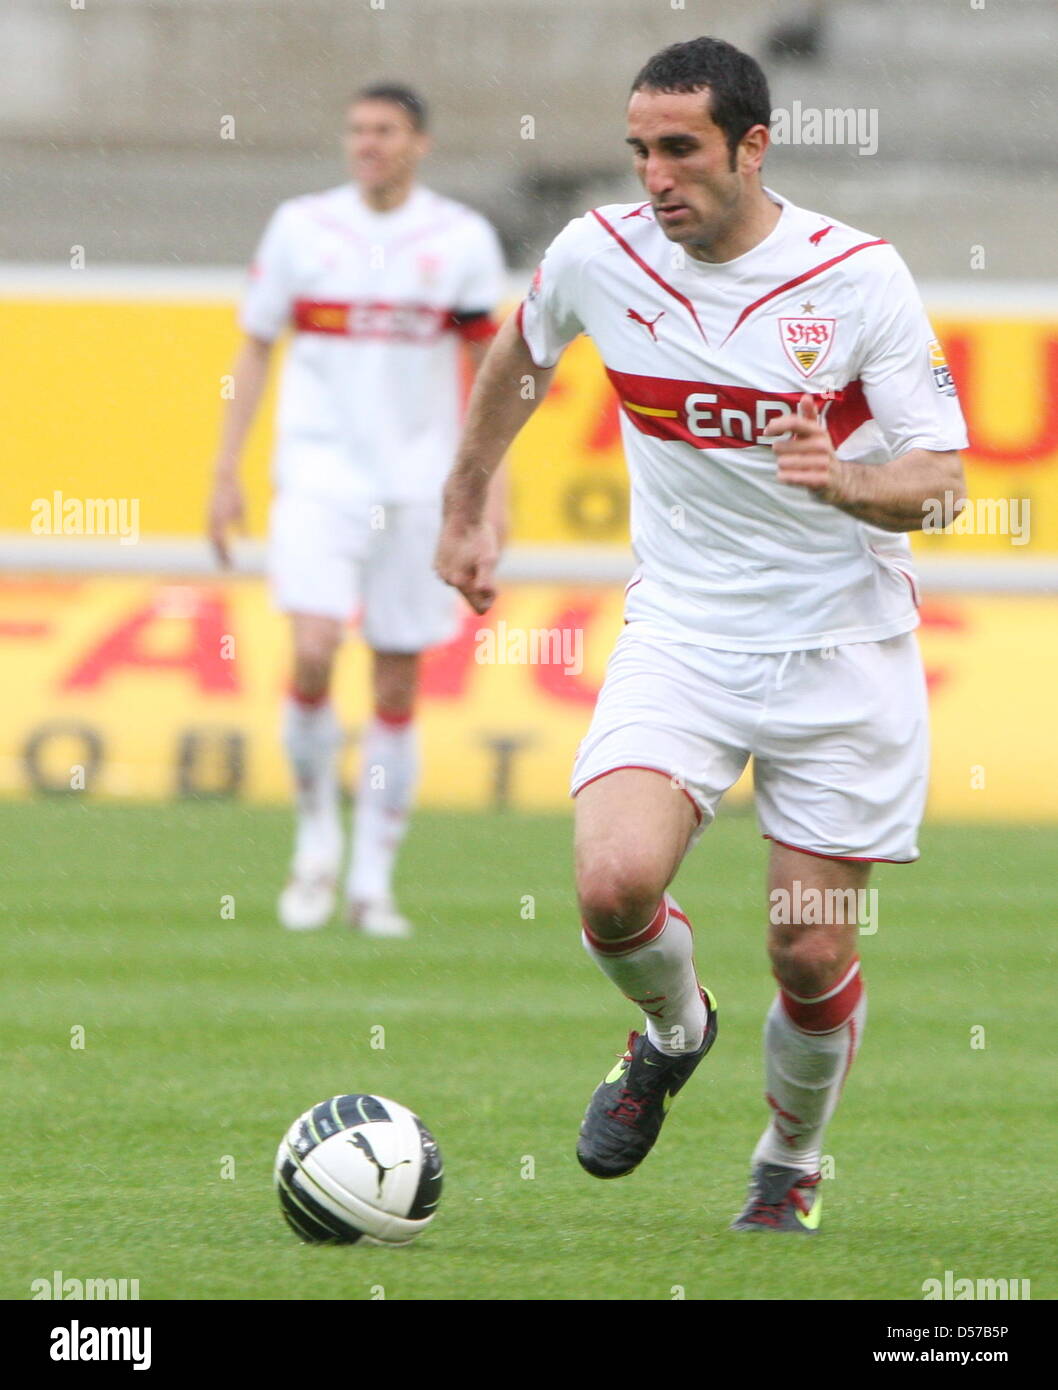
(807, 342)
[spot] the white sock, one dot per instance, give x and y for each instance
(312, 737)
(809, 1045)
(654, 967)
(388, 775)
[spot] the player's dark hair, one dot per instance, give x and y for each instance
(411, 101)
(738, 90)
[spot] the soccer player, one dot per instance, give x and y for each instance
(381, 282)
(786, 414)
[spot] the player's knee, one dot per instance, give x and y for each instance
(808, 961)
(313, 663)
(617, 898)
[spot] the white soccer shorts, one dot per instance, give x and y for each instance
(839, 737)
(332, 562)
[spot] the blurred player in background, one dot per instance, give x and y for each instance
(381, 282)
(786, 414)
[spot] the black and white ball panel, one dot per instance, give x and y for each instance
(358, 1167)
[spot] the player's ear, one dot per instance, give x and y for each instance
(752, 148)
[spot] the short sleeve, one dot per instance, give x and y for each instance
(905, 375)
(267, 304)
(482, 283)
(548, 316)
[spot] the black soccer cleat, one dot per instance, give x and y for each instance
(781, 1200)
(626, 1112)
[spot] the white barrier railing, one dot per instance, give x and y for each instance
(543, 564)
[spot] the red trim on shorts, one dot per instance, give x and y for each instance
(626, 945)
(641, 767)
(844, 858)
(393, 720)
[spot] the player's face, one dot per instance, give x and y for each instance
(683, 161)
(382, 146)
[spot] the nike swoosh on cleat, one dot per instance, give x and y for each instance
(812, 1220)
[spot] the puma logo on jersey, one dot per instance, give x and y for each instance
(817, 237)
(648, 324)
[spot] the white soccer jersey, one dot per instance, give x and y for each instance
(702, 357)
(369, 402)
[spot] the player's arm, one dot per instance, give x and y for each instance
(227, 507)
(507, 389)
(265, 315)
(896, 496)
(497, 499)
(512, 382)
(911, 397)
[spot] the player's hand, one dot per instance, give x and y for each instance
(806, 458)
(466, 558)
(227, 509)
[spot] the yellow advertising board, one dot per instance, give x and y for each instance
(139, 687)
(121, 397)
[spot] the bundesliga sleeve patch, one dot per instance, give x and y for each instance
(938, 365)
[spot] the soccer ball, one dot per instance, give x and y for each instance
(358, 1168)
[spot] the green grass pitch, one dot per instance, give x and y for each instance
(204, 1037)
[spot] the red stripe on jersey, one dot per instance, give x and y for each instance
(727, 417)
(406, 323)
(682, 298)
(477, 329)
(800, 279)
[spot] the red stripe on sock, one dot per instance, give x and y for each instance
(825, 1015)
(392, 719)
(308, 701)
(849, 1055)
(650, 932)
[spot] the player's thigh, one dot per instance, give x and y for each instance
(406, 607)
(841, 760)
(631, 830)
(815, 909)
(314, 554)
(666, 741)
(684, 712)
